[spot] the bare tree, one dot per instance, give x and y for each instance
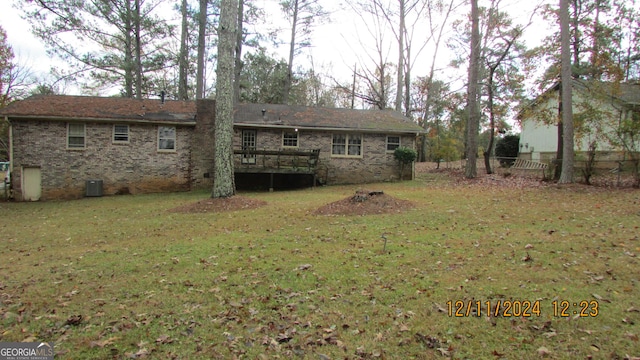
(183, 63)
(223, 181)
(202, 37)
(376, 79)
(303, 15)
(441, 11)
(238, 53)
(502, 52)
(401, 53)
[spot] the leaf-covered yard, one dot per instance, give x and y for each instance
(132, 277)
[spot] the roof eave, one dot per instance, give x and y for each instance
(101, 120)
(327, 128)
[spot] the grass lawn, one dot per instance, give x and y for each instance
(124, 277)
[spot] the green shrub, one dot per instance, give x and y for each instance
(507, 149)
(404, 156)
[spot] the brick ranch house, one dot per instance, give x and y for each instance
(64, 147)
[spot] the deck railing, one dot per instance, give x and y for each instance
(279, 160)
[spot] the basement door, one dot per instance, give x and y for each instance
(31, 183)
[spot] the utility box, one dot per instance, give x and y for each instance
(94, 188)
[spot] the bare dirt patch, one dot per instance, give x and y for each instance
(232, 203)
(366, 202)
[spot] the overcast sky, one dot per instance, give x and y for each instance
(336, 45)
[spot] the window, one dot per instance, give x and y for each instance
(393, 142)
(120, 133)
(76, 136)
(290, 139)
(166, 138)
(248, 146)
(347, 145)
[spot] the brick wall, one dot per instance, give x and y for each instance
(136, 167)
(202, 149)
(376, 164)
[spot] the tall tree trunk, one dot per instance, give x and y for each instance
(473, 121)
(183, 63)
(128, 53)
(557, 169)
(292, 49)
(138, 20)
(223, 181)
(353, 87)
(567, 103)
(491, 92)
(407, 85)
(401, 31)
(576, 41)
(238, 56)
(492, 123)
(202, 37)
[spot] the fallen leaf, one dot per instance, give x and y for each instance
(164, 339)
(429, 341)
(439, 308)
(74, 320)
(600, 298)
(543, 351)
(631, 336)
(103, 343)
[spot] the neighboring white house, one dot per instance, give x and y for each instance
(598, 109)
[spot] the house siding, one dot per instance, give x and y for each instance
(136, 167)
(539, 136)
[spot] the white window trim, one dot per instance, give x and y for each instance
(386, 145)
(297, 139)
(113, 138)
(84, 137)
(346, 149)
(175, 140)
(249, 159)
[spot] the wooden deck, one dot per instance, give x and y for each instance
(283, 161)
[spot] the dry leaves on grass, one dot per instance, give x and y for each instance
(232, 203)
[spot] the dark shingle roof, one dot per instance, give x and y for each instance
(323, 118)
(83, 108)
(102, 108)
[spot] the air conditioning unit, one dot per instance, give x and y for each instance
(94, 188)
